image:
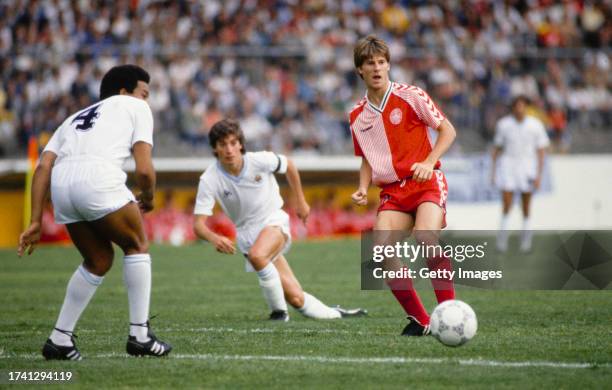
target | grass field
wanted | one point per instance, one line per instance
(214, 315)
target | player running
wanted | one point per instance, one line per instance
(245, 186)
(389, 127)
(82, 166)
(520, 143)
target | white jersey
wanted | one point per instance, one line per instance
(249, 198)
(106, 130)
(520, 142)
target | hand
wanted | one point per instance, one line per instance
(536, 183)
(28, 239)
(360, 197)
(145, 202)
(303, 211)
(422, 171)
(224, 245)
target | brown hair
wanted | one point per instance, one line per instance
(368, 47)
(225, 128)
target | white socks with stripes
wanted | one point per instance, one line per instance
(137, 277)
(272, 288)
(81, 288)
(316, 309)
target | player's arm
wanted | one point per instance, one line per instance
(538, 180)
(145, 174)
(494, 155)
(422, 171)
(40, 188)
(222, 244)
(360, 197)
(293, 178)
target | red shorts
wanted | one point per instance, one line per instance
(406, 195)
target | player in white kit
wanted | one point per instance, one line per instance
(245, 186)
(82, 167)
(520, 146)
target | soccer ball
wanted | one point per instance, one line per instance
(453, 323)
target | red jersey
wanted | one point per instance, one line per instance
(394, 136)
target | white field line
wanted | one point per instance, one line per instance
(202, 330)
(349, 360)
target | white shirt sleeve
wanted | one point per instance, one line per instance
(270, 162)
(205, 199)
(143, 122)
(542, 140)
(498, 140)
(54, 143)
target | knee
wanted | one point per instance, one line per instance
(98, 266)
(427, 237)
(136, 246)
(295, 300)
(258, 259)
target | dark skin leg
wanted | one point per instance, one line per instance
(94, 239)
(507, 201)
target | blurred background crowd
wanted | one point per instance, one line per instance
(285, 68)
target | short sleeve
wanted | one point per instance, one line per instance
(498, 140)
(205, 200)
(356, 147)
(270, 162)
(542, 140)
(143, 123)
(424, 107)
(54, 143)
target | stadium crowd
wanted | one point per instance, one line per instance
(285, 68)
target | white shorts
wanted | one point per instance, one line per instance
(87, 189)
(247, 236)
(514, 178)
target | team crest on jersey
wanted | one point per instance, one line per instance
(257, 178)
(226, 193)
(395, 116)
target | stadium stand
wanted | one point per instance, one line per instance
(285, 67)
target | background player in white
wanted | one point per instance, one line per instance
(520, 146)
(245, 186)
(82, 165)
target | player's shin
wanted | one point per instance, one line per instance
(270, 282)
(406, 295)
(137, 277)
(443, 286)
(80, 290)
(314, 308)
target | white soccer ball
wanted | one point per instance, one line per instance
(453, 323)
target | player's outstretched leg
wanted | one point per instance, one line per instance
(305, 303)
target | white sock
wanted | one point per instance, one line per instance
(526, 224)
(137, 277)
(81, 288)
(314, 308)
(270, 283)
(505, 220)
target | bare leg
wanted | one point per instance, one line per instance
(269, 244)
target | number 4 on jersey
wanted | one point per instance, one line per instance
(88, 117)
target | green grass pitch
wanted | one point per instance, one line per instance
(215, 317)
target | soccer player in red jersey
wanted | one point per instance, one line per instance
(389, 128)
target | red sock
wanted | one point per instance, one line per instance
(443, 287)
(407, 296)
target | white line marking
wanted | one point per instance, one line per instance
(349, 360)
(202, 330)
